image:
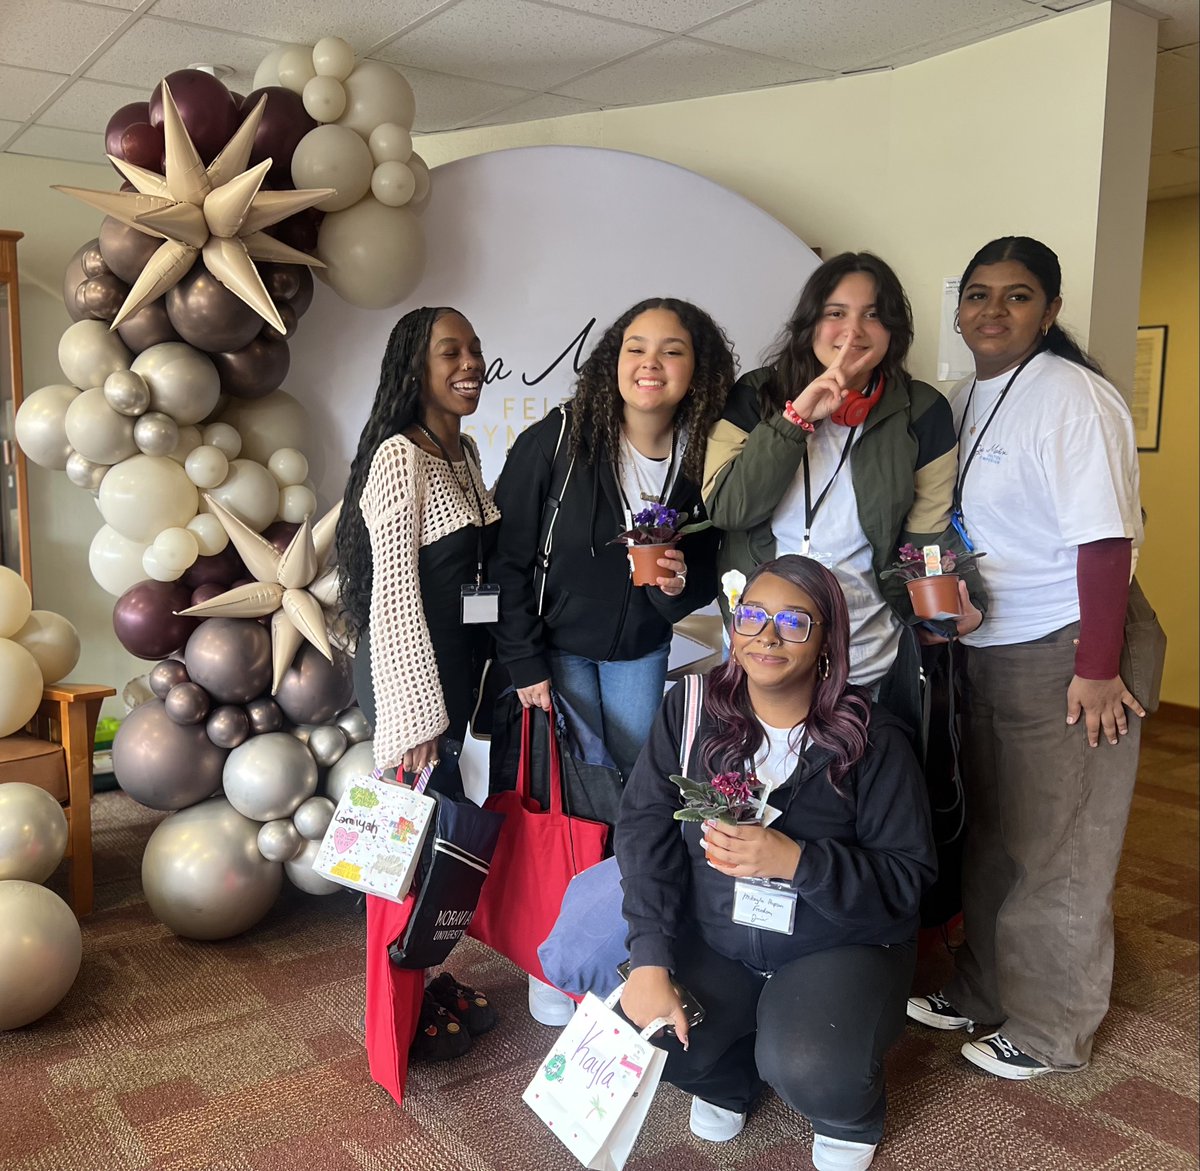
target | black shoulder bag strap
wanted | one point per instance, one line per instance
(561, 467)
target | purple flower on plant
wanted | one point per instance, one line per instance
(734, 786)
(657, 524)
(728, 797)
(910, 563)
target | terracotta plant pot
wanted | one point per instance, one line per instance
(646, 569)
(935, 597)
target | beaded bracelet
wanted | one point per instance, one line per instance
(789, 413)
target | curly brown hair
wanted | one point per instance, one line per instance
(599, 408)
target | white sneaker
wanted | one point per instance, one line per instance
(839, 1154)
(715, 1123)
(547, 1005)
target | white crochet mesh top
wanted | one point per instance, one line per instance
(410, 500)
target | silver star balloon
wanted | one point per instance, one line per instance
(293, 586)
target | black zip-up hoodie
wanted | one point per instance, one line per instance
(591, 607)
(867, 855)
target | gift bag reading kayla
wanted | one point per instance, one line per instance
(595, 1086)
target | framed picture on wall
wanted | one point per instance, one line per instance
(1148, 371)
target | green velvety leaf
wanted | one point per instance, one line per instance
(691, 815)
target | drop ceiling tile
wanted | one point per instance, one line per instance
(1172, 170)
(88, 105)
(543, 106)
(7, 130)
(1176, 81)
(1182, 26)
(516, 43)
(449, 103)
(153, 48)
(364, 23)
(1187, 52)
(955, 40)
(672, 15)
(1176, 129)
(51, 143)
(843, 35)
(23, 90)
(54, 34)
(127, 5)
(680, 69)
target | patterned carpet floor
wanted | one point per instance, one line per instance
(247, 1055)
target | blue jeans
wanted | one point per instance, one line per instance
(618, 699)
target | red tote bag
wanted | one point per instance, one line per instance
(538, 853)
(393, 996)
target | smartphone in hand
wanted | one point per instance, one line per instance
(691, 1008)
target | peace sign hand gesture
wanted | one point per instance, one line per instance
(825, 393)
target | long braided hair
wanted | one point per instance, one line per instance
(599, 408)
(396, 406)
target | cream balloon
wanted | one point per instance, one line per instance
(267, 73)
(390, 143)
(52, 641)
(375, 255)
(41, 428)
(41, 949)
(224, 437)
(115, 561)
(85, 473)
(295, 68)
(206, 466)
(266, 424)
(250, 492)
(210, 534)
(88, 353)
(376, 93)
(296, 503)
(127, 392)
(333, 57)
(98, 432)
(324, 99)
(152, 567)
(189, 440)
(393, 184)
(156, 433)
(333, 156)
(183, 382)
(177, 549)
(420, 170)
(145, 494)
(16, 602)
(20, 686)
(288, 466)
(33, 832)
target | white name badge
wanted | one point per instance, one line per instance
(759, 902)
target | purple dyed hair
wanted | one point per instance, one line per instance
(840, 711)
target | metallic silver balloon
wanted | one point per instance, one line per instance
(228, 726)
(203, 875)
(165, 675)
(355, 724)
(127, 392)
(313, 690)
(156, 433)
(279, 840)
(268, 776)
(40, 951)
(301, 731)
(265, 715)
(230, 658)
(357, 761)
(312, 818)
(300, 871)
(187, 703)
(327, 742)
(85, 473)
(33, 833)
(164, 764)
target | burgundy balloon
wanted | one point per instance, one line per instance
(208, 316)
(205, 593)
(166, 675)
(221, 569)
(145, 621)
(299, 230)
(303, 299)
(103, 295)
(206, 107)
(279, 533)
(284, 122)
(147, 327)
(121, 121)
(142, 145)
(254, 370)
(125, 249)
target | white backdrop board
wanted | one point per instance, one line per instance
(542, 248)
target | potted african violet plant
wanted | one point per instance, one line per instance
(655, 529)
(729, 797)
(931, 578)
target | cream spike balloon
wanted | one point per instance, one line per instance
(260, 246)
(298, 565)
(186, 174)
(163, 271)
(305, 614)
(325, 588)
(252, 600)
(184, 222)
(285, 642)
(259, 555)
(325, 533)
(147, 182)
(235, 154)
(226, 208)
(272, 206)
(229, 262)
(125, 206)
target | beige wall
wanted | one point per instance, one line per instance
(1170, 476)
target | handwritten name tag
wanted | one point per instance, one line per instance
(770, 906)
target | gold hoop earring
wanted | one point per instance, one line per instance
(824, 666)
(1046, 330)
(957, 326)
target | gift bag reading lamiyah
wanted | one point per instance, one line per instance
(595, 1086)
(538, 854)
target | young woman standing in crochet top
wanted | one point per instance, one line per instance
(415, 527)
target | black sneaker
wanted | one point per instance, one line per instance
(440, 1035)
(996, 1054)
(937, 1012)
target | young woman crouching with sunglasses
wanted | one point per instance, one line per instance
(794, 928)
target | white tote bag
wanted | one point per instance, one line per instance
(595, 1086)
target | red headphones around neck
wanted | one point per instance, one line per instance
(858, 404)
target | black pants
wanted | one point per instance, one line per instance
(816, 1032)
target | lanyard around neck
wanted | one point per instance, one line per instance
(811, 508)
(474, 492)
(666, 488)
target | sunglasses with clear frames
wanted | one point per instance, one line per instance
(791, 625)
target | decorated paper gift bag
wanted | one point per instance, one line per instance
(595, 1086)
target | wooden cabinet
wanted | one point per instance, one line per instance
(14, 493)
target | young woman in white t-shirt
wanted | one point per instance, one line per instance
(1048, 489)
